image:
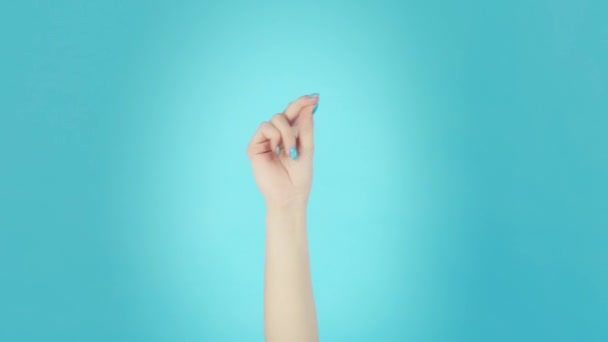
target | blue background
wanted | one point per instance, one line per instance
(461, 178)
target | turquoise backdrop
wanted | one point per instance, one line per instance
(461, 180)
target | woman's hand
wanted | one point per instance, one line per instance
(281, 153)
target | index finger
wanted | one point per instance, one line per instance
(294, 108)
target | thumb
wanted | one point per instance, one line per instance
(305, 129)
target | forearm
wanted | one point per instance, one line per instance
(289, 309)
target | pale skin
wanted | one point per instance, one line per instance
(281, 155)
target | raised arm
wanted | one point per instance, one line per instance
(281, 154)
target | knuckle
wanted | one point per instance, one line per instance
(277, 118)
(296, 102)
(267, 128)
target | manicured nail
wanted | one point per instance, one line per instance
(317, 105)
(293, 153)
(277, 150)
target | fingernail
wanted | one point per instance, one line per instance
(293, 153)
(277, 150)
(317, 105)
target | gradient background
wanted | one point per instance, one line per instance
(461, 181)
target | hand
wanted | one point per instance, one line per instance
(281, 153)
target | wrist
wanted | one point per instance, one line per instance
(293, 207)
(286, 217)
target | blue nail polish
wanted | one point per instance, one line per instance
(317, 105)
(293, 153)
